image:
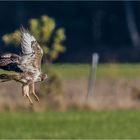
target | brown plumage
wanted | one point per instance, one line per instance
(27, 67)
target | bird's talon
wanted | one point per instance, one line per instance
(31, 103)
(36, 98)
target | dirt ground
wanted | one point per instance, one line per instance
(107, 94)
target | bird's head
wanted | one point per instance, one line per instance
(43, 76)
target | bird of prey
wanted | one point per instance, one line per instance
(26, 67)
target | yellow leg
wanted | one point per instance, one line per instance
(25, 92)
(30, 100)
(32, 90)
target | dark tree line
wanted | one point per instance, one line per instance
(109, 28)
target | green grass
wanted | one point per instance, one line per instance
(104, 124)
(70, 71)
(103, 70)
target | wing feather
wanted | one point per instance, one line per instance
(32, 52)
(10, 62)
(26, 42)
(38, 55)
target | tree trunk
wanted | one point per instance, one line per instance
(134, 34)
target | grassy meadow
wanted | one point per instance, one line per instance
(72, 124)
(72, 71)
(103, 70)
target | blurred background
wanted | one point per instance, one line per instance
(103, 27)
(87, 96)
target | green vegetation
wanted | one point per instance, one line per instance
(71, 71)
(117, 124)
(97, 124)
(46, 33)
(103, 70)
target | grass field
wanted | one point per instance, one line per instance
(104, 124)
(103, 70)
(117, 124)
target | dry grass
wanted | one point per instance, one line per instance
(116, 87)
(108, 94)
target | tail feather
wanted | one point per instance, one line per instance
(6, 77)
(4, 80)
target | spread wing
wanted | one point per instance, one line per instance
(26, 42)
(9, 62)
(32, 52)
(38, 55)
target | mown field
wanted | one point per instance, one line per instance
(103, 70)
(72, 124)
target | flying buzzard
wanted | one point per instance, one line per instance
(27, 67)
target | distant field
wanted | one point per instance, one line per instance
(103, 124)
(103, 70)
